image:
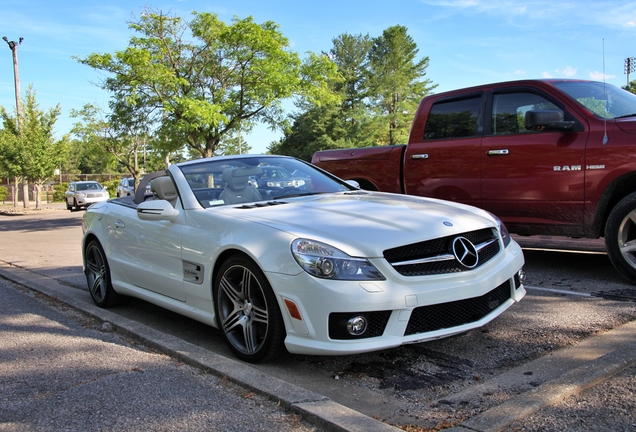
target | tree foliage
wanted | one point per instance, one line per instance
(396, 82)
(120, 133)
(381, 84)
(28, 147)
(197, 82)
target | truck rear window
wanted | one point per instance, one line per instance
(453, 119)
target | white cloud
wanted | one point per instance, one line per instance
(518, 72)
(596, 75)
(630, 24)
(569, 71)
(546, 75)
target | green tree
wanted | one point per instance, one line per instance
(31, 151)
(201, 90)
(396, 81)
(9, 159)
(335, 125)
(118, 133)
(89, 158)
(381, 84)
(350, 53)
(317, 128)
(631, 87)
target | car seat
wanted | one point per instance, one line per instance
(238, 188)
(164, 188)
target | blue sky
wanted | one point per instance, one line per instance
(468, 42)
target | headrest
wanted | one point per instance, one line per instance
(164, 188)
(237, 178)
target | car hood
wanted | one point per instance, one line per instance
(367, 223)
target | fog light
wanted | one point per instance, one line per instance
(520, 278)
(522, 275)
(357, 325)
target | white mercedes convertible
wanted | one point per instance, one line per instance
(307, 263)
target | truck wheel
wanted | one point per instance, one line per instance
(620, 237)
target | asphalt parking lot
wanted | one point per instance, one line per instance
(525, 370)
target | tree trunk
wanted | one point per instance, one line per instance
(38, 196)
(15, 191)
(25, 192)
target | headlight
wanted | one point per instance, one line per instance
(324, 261)
(505, 235)
(81, 195)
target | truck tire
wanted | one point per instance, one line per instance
(620, 237)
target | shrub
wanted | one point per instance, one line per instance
(58, 192)
(111, 187)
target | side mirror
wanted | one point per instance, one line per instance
(353, 183)
(547, 120)
(156, 210)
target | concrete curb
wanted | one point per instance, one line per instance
(313, 407)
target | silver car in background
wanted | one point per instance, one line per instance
(126, 187)
(84, 193)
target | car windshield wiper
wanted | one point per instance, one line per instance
(296, 195)
(626, 115)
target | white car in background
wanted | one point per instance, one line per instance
(329, 269)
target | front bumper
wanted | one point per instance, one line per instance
(402, 309)
(86, 201)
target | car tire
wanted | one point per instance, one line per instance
(68, 207)
(98, 276)
(620, 237)
(247, 311)
(75, 206)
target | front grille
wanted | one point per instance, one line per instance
(436, 256)
(338, 324)
(452, 314)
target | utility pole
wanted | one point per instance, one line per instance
(13, 46)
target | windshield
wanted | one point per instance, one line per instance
(88, 186)
(242, 180)
(604, 100)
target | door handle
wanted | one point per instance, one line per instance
(419, 156)
(498, 152)
(120, 224)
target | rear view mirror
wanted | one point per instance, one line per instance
(353, 183)
(547, 120)
(156, 210)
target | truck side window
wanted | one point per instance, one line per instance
(453, 119)
(509, 110)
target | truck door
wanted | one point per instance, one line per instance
(443, 162)
(531, 177)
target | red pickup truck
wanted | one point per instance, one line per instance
(554, 157)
